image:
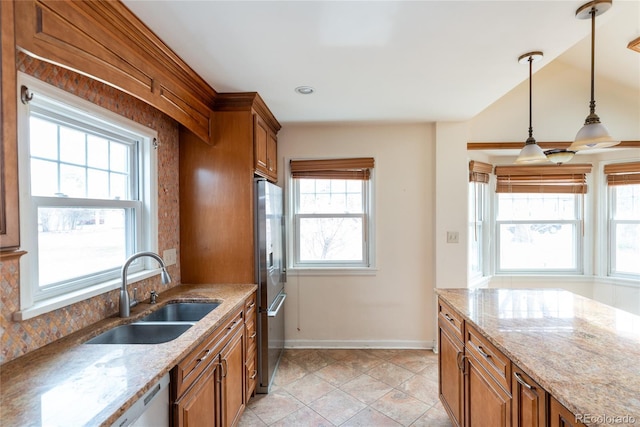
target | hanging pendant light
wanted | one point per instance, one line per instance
(531, 152)
(593, 134)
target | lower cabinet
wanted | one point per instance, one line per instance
(209, 386)
(486, 403)
(529, 401)
(449, 367)
(560, 416)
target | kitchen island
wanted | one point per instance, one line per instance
(584, 355)
(69, 383)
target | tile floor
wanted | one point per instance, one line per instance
(372, 388)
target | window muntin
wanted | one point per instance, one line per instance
(476, 203)
(539, 233)
(331, 222)
(624, 231)
(90, 176)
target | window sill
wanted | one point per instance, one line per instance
(45, 306)
(618, 281)
(332, 271)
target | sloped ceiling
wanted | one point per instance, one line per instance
(386, 61)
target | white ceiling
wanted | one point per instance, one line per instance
(386, 61)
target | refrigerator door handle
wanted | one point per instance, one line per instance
(274, 313)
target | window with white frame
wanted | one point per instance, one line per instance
(88, 178)
(539, 219)
(623, 182)
(478, 189)
(331, 212)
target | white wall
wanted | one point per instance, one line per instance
(392, 307)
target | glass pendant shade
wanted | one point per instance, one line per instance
(559, 156)
(531, 153)
(593, 135)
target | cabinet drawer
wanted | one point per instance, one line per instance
(250, 307)
(186, 372)
(252, 373)
(252, 334)
(489, 357)
(451, 320)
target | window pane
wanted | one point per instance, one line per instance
(75, 242)
(97, 152)
(72, 146)
(627, 202)
(119, 157)
(73, 181)
(537, 246)
(119, 187)
(98, 187)
(332, 239)
(627, 248)
(43, 137)
(336, 196)
(44, 178)
(536, 206)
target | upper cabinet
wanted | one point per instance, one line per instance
(106, 41)
(9, 222)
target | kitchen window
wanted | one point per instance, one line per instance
(623, 182)
(539, 219)
(332, 213)
(88, 178)
(479, 174)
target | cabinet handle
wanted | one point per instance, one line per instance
(225, 368)
(458, 360)
(232, 325)
(481, 351)
(255, 372)
(253, 304)
(206, 354)
(522, 381)
(449, 318)
(253, 335)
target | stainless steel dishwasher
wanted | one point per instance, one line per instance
(151, 410)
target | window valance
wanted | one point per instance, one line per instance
(543, 179)
(479, 172)
(623, 173)
(354, 168)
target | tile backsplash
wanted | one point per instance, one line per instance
(19, 338)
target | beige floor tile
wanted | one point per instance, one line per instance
(366, 389)
(369, 417)
(250, 419)
(400, 407)
(312, 361)
(336, 353)
(421, 388)
(338, 373)
(305, 417)
(309, 388)
(274, 406)
(337, 406)
(415, 361)
(430, 371)
(436, 416)
(389, 373)
(288, 372)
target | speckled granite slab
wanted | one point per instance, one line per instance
(68, 383)
(584, 353)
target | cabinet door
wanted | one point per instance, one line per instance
(198, 406)
(233, 379)
(451, 379)
(260, 138)
(529, 404)
(272, 156)
(561, 416)
(487, 404)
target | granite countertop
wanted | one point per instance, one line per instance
(584, 353)
(67, 383)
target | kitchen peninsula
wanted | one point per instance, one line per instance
(537, 357)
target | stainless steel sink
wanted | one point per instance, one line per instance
(142, 333)
(181, 312)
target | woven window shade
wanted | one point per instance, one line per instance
(542, 179)
(479, 172)
(623, 173)
(356, 168)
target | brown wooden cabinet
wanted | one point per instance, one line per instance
(209, 386)
(486, 402)
(9, 215)
(529, 400)
(251, 334)
(265, 149)
(450, 357)
(217, 193)
(559, 416)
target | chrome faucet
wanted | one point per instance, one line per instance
(124, 295)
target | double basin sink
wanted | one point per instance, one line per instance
(163, 325)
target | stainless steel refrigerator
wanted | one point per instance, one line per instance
(270, 277)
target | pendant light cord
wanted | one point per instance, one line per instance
(592, 104)
(530, 95)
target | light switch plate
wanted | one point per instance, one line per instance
(169, 256)
(453, 237)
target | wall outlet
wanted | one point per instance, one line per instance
(453, 237)
(169, 256)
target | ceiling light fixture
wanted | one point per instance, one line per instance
(531, 152)
(593, 134)
(305, 90)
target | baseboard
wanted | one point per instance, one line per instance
(362, 344)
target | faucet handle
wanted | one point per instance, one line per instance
(153, 298)
(134, 300)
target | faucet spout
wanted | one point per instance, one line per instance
(125, 306)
